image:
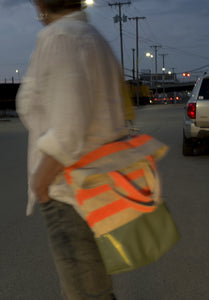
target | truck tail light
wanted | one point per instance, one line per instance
(191, 110)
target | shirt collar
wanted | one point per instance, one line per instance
(77, 15)
(74, 16)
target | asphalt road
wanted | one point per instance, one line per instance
(26, 268)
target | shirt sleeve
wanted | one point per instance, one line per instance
(67, 98)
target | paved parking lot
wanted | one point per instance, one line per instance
(27, 271)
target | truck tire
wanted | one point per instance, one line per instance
(188, 146)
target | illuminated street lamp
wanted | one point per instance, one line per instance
(89, 2)
(150, 55)
(163, 70)
(18, 74)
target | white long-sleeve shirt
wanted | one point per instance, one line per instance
(70, 99)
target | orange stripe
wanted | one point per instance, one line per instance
(140, 140)
(108, 149)
(67, 175)
(83, 195)
(151, 160)
(106, 211)
(113, 208)
(134, 174)
(146, 191)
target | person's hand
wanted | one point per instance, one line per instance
(44, 176)
(40, 188)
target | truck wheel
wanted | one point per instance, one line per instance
(188, 146)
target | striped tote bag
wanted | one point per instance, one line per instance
(117, 188)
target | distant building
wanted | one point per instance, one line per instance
(8, 92)
(149, 77)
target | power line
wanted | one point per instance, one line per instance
(116, 38)
(197, 69)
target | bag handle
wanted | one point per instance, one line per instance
(133, 193)
(146, 206)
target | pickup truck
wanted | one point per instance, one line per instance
(196, 118)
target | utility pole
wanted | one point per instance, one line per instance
(163, 69)
(174, 75)
(119, 18)
(137, 42)
(174, 78)
(133, 63)
(155, 47)
(137, 53)
(163, 56)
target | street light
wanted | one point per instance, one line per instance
(150, 55)
(163, 70)
(18, 74)
(89, 2)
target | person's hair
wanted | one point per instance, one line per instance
(60, 5)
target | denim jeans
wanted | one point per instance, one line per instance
(77, 259)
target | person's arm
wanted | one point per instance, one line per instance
(69, 111)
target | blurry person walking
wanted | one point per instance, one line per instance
(71, 103)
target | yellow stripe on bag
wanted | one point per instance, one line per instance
(117, 245)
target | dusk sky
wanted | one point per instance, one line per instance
(179, 26)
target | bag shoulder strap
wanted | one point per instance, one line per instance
(106, 150)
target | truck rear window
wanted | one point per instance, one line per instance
(204, 90)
